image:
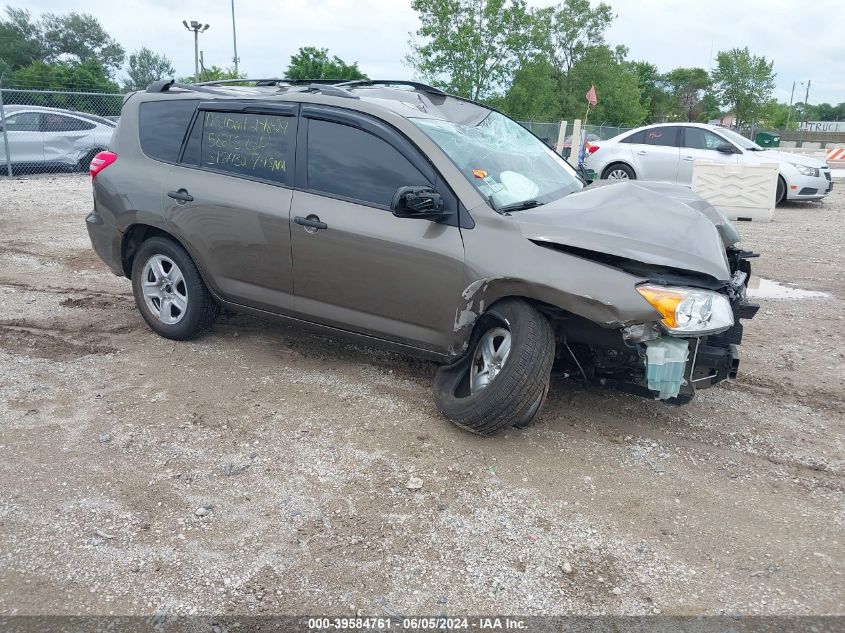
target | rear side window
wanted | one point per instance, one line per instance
(667, 136)
(162, 127)
(350, 163)
(60, 123)
(636, 137)
(251, 145)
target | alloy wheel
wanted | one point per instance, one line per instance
(165, 292)
(489, 358)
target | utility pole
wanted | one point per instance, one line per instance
(791, 97)
(806, 98)
(235, 39)
(197, 28)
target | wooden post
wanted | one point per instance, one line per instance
(561, 137)
(576, 140)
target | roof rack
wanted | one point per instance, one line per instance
(392, 82)
(328, 87)
(269, 81)
(164, 85)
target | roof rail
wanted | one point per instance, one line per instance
(270, 81)
(164, 85)
(392, 82)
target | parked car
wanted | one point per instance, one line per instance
(667, 152)
(53, 138)
(397, 215)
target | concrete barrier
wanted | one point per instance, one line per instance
(742, 192)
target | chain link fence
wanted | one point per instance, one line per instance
(550, 133)
(48, 131)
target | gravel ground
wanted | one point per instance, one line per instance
(261, 470)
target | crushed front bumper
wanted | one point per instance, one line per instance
(715, 358)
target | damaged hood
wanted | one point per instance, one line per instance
(652, 223)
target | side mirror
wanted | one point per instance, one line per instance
(726, 148)
(423, 203)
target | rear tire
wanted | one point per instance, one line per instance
(169, 291)
(618, 171)
(84, 163)
(780, 194)
(516, 392)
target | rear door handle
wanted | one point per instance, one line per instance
(311, 222)
(689, 157)
(182, 196)
(642, 152)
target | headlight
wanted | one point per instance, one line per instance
(807, 171)
(688, 310)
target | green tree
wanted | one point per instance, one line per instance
(566, 32)
(80, 37)
(85, 76)
(534, 93)
(709, 107)
(653, 91)
(212, 73)
(744, 83)
(470, 47)
(145, 67)
(688, 86)
(20, 41)
(775, 115)
(310, 62)
(617, 88)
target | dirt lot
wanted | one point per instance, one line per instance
(263, 470)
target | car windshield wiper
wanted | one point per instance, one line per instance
(520, 206)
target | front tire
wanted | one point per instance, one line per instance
(504, 379)
(780, 194)
(169, 291)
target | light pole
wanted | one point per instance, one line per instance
(801, 131)
(197, 28)
(234, 40)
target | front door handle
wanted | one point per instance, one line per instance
(182, 196)
(689, 157)
(311, 223)
(642, 152)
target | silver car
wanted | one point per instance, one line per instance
(51, 137)
(668, 151)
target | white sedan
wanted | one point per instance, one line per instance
(667, 152)
(51, 137)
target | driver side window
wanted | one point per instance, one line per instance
(349, 163)
(698, 138)
(23, 122)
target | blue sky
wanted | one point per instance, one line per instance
(805, 40)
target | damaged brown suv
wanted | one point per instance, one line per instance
(398, 215)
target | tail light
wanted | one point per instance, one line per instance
(591, 148)
(100, 162)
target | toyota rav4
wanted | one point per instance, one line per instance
(398, 215)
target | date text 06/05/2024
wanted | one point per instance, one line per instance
(416, 624)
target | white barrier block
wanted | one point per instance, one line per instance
(742, 192)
